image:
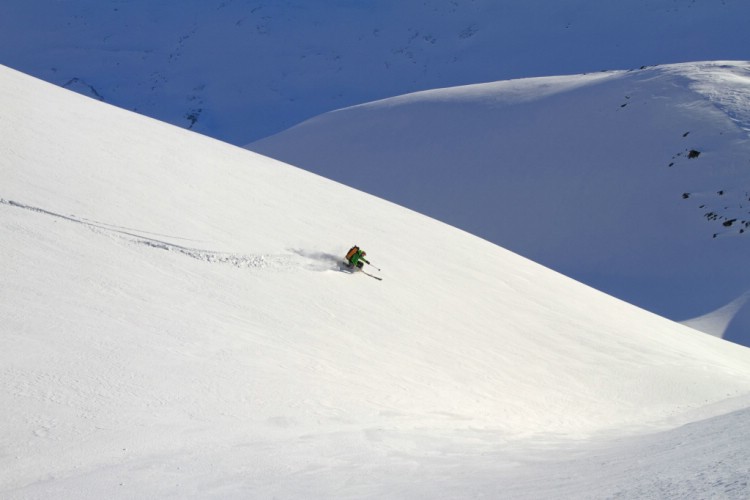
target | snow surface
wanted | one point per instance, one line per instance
(589, 174)
(717, 322)
(240, 70)
(176, 324)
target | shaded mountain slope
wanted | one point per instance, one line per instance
(635, 182)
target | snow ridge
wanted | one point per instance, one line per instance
(727, 85)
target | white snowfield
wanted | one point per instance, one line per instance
(175, 323)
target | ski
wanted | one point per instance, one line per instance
(372, 276)
(353, 270)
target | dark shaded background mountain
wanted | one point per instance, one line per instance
(239, 70)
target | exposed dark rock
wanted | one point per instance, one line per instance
(82, 87)
(193, 116)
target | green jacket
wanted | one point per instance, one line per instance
(357, 256)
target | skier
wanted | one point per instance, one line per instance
(355, 257)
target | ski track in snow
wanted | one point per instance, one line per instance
(311, 260)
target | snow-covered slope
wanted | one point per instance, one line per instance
(240, 70)
(591, 175)
(174, 323)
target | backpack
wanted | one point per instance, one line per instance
(351, 252)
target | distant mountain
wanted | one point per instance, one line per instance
(175, 322)
(634, 182)
(239, 70)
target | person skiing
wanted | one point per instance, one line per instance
(355, 257)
